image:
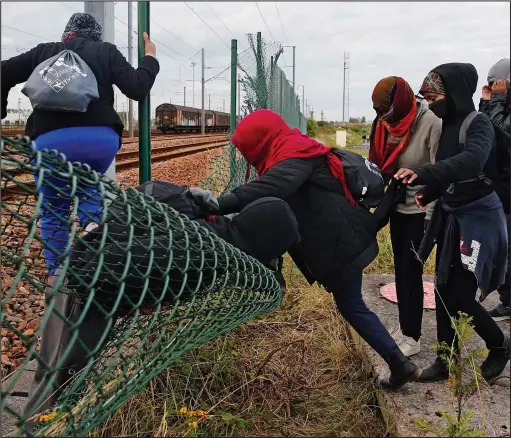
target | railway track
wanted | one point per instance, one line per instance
(125, 134)
(124, 160)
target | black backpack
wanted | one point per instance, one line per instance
(171, 263)
(363, 178)
(503, 157)
(176, 197)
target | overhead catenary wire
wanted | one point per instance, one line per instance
(209, 27)
(174, 35)
(266, 24)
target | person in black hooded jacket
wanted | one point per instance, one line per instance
(495, 103)
(468, 223)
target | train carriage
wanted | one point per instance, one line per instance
(177, 118)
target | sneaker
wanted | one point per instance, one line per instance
(496, 361)
(408, 346)
(500, 313)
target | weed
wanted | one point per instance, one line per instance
(464, 381)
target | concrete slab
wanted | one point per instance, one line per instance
(419, 400)
(17, 404)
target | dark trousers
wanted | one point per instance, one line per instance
(406, 233)
(348, 297)
(459, 295)
(505, 290)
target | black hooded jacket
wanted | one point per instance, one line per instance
(454, 162)
(109, 67)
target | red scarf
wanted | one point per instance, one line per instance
(382, 152)
(264, 140)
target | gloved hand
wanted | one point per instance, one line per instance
(205, 200)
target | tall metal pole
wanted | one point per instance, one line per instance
(234, 66)
(303, 99)
(203, 125)
(209, 102)
(144, 106)
(193, 84)
(103, 12)
(130, 60)
(294, 67)
(223, 105)
(239, 98)
(184, 97)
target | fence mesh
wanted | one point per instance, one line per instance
(128, 297)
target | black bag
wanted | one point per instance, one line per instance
(363, 178)
(63, 82)
(501, 183)
(176, 197)
(168, 264)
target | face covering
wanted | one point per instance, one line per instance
(439, 108)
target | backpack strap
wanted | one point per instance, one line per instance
(465, 125)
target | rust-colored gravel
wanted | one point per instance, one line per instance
(26, 307)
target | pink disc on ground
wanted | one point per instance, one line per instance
(389, 292)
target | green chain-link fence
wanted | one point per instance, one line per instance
(131, 295)
(265, 86)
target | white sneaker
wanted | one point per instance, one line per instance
(408, 346)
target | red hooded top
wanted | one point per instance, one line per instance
(264, 139)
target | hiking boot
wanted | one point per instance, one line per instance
(500, 313)
(436, 372)
(408, 346)
(402, 371)
(496, 360)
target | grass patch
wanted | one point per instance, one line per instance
(354, 133)
(291, 373)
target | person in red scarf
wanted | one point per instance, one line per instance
(405, 133)
(338, 237)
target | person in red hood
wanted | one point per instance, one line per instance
(338, 236)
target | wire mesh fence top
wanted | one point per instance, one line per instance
(128, 296)
(265, 84)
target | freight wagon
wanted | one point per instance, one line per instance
(177, 118)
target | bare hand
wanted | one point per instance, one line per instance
(486, 93)
(418, 200)
(499, 87)
(150, 48)
(407, 176)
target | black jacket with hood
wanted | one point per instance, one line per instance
(337, 239)
(110, 68)
(498, 110)
(455, 163)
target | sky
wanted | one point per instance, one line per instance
(382, 39)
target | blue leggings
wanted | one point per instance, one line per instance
(92, 145)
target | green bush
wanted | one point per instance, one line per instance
(312, 127)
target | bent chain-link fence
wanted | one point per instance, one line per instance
(130, 296)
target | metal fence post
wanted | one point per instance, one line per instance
(234, 77)
(144, 106)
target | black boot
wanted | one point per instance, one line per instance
(437, 372)
(402, 371)
(496, 360)
(275, 266)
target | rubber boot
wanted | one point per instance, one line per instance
(496, 361)
(402, 371)
(437, 372)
